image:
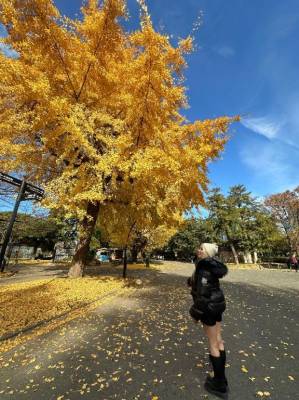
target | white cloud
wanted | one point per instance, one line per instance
(263, 126)
(274, 162)
(272, 165)
(225, 51)
(283, 24)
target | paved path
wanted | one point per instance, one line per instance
(31, 272)
(145, 347)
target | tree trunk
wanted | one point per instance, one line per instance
(289, 240)
(54, 254)
(147, 261)
(35, 249)
(125, 264)
(86, 231)
(255, 257)
(134, 253)
(234, 253)
(248, 257)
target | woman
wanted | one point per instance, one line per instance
(208, 306)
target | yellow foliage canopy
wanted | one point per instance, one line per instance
(93, 113)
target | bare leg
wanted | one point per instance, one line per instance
(211, 333)
(219, 337)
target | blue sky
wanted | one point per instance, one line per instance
(246, 63)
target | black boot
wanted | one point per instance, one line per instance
(223, 357)
(217, 385)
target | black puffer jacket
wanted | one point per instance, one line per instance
(208, 297)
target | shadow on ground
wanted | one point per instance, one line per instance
(145, 345)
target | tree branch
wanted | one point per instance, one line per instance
(56, 46)
(91, 63)
(145, 102)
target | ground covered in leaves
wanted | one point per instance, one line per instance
(25, 304)
(6, 274)
(143, 345)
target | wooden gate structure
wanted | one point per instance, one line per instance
(27, 191)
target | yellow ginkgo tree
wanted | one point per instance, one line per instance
(91, 112)
(135, 223)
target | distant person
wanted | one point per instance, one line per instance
(293, 262)
(208, 307)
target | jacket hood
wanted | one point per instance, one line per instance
(214, 266)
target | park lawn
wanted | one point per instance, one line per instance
(28, 303)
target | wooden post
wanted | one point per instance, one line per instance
(11, 223)
(125, 264)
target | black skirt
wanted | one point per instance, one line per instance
(210, 320)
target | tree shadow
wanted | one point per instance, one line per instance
(146, 345)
